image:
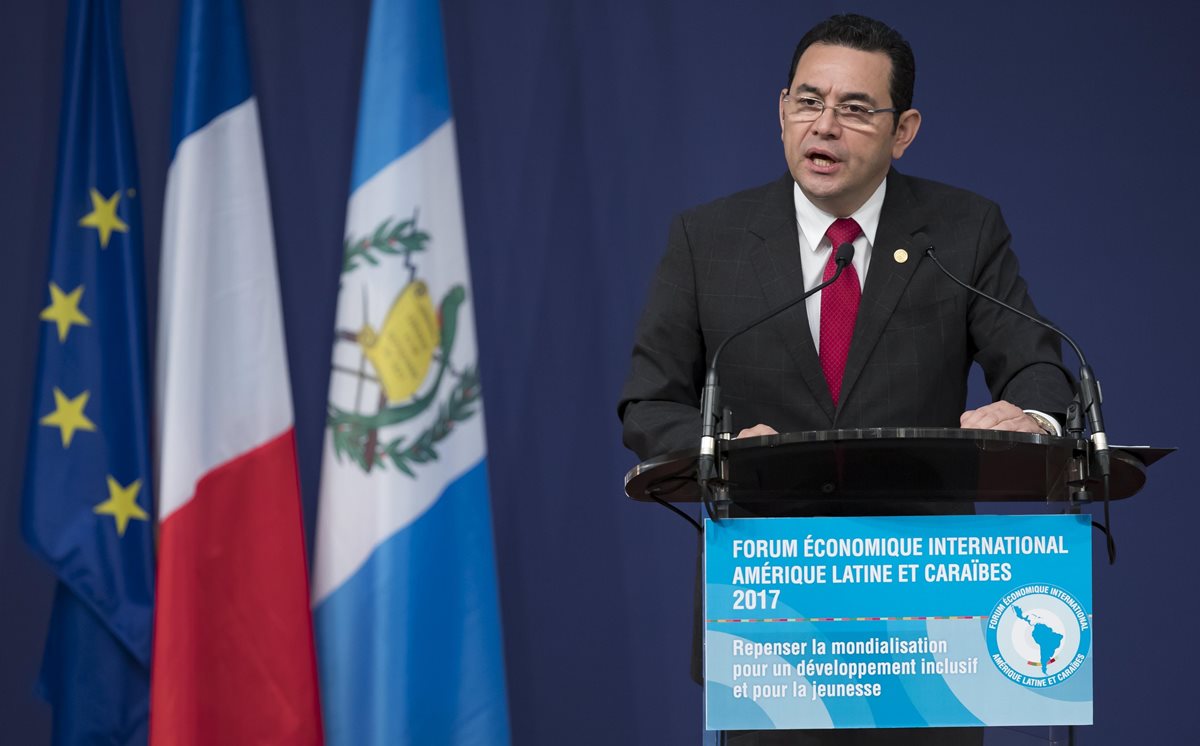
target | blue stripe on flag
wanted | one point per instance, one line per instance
(405, 92)
(212, 71)
(410, 645)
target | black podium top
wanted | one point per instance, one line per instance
(900, 464)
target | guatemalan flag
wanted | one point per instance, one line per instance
(233, 653)
(404, 590)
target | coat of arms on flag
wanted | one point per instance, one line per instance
(405, 357)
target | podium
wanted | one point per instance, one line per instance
(1019, 635)
(888, 464)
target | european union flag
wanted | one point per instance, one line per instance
(87, 499)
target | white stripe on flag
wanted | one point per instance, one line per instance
(358, 510)
(222, 375)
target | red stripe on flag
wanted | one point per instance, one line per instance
(233, 653)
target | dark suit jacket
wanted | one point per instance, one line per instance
(915, 338)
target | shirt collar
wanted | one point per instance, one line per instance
(814, 221)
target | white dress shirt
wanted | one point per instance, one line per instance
(815, 249)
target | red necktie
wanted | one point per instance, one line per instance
(839, 308)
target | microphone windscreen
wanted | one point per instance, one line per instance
(844, 255)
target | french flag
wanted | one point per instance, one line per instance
(233, 654)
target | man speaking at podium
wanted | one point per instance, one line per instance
(887, 345)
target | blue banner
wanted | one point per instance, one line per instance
(898, 622)
(86, 504)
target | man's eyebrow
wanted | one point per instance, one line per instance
(866, 98)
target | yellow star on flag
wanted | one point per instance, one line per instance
(122, 504)
(103, 217)
(64, 310)
(68, 415)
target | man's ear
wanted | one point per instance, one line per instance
(781, 114)
(906, 132)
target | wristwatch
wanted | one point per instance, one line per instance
(1049, 425)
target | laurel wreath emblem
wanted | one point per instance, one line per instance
(356, 436)
(402, 239)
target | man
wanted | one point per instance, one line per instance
(889, 344)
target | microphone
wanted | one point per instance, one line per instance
(1089, 387)
(706, 464)
(843, 258)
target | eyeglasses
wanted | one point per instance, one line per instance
(809, 109)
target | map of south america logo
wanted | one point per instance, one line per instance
(1039, 635)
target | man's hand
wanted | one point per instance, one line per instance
(759, 429)
(1000, 416)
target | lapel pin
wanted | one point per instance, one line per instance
(901, 256)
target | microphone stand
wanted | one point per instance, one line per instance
(706, 464)
(1088, 396)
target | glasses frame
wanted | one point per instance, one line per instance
(839, 110)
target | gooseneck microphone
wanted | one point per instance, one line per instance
(1089, 387)
(706, 464)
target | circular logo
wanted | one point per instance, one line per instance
(1038, 635)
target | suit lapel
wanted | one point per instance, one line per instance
(887, 278)
(775, 257)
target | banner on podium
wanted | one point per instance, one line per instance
(898, 622)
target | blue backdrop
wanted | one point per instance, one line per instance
(582, 128)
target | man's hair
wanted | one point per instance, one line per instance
(868, 35)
